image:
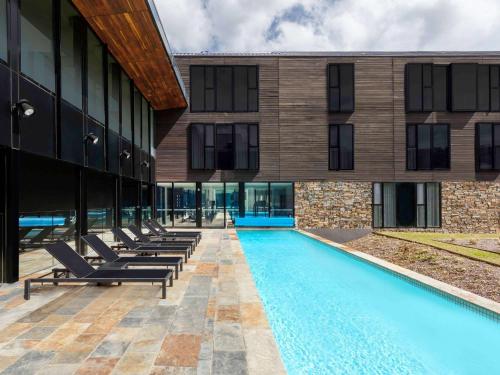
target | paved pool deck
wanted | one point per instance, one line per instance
(212, 322)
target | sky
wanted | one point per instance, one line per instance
(330, 25)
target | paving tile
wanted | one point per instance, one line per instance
(262, 354)
(228, 337)
(7, 360)
(111, 349)
(230, 313)
(199, 286)
(37, 333)
(130, 322)
(253, 315)
(229, 363)
(97, 366)
(190, 315)
(14, 330)
(207, 269)
(29, 363)
(63, 369)
(179, 350)
(135, 363)
(168, 370)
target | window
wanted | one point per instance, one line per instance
(427, 146)
(402, 204)
(71, 54)
(225, 146)
(341, 87)
(114, 72)
(202, 146)
(37, 52)
(341, 149)
(3, 30)
(224, 88)
(152, 132)
(137, 117)
(126, 107)
(95, 78)
(487, 146)
(426, 87)
(495, 88)
(145, 125)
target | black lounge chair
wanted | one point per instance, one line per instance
(141, 248)
(163, 231)
(141, 237)
(155, 232)
(84, 272)
(109, 256)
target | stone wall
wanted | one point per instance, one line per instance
(466, 206)
(333, 204)
(470, 206)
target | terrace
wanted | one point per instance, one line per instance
(211, 322)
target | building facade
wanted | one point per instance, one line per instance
(79, 84)
(345, 140)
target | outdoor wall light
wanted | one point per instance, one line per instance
(24, 108)
(91, 138)
(125, 154)
(145, 164)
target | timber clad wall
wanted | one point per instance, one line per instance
(293, 123)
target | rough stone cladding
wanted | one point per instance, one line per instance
(468, 206)
(333, 204)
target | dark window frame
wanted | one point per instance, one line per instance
(432, 168)
(329, 87)
(382, 204)
(214, 88)
(339, 146)
(214, 147)
(495, 127)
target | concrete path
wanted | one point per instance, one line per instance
(212, 322)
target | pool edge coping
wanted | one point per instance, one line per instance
(477, 301)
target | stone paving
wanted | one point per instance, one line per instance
(212, 322)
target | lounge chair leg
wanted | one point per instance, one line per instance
(182, 266)
(185, 257)
(164, 289)
(27, 289)
(171, 281)
(176, 271)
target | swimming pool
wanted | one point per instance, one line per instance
(333, 314)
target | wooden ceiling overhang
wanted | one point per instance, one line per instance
(134, 35)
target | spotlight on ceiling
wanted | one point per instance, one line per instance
(145, 164)
(23, 108)
(125, 154)
(91, 138)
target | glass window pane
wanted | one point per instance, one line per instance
(212, 204)
(37, 52)
(334, 142)
(424, 147)
(137, 117)
(145, 125)
(3, 30)
(241, 146)
(377, 217)
(377, 193)
(433, 205)
(197, 147)
(346, 146)
(282, 199)
(496, 144)
(126, 108)
(95, 79)
(71, 54)
(440, 146)
(256, 199)
(232, 200)
(184, 204)
(114, 72)
(485, 146)
(224, 147)
(389, 205)
(152, 132)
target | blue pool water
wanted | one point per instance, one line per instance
(333, 314)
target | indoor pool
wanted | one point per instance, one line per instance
(334, 314)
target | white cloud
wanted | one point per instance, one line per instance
(330, 25)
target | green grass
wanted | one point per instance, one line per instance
(433, 239)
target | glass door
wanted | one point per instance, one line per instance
(184, 204)
(212, 205)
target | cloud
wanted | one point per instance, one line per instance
(330, 25)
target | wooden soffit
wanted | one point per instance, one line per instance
(134, 35)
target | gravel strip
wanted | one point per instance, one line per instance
(475, 276)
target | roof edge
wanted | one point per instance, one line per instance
(342, 54)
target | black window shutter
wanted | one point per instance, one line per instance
(440, 146)
(241, 146)
(209, 146)
(240, 88)
(197, 86)
(485, 146)
(411, 147)
(424, 146)
(224, 89)
(346, 78)
(197, 146)
(495, 88)
(483, 88)
(414, 87)
(333, 88)
(253, 89)
(346, 147)
(427, 99)
(464, 87)
(253, 147)
(496, 146)
(209, 89)
(440, 88)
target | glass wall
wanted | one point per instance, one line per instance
(145, 126)
(256, 199)
(164, 203)
(37, 51)
(126, 108)
(95, 79)
(232, 201)
(114, 72)
(184, 204)
(37, 229)
(71, 54)
(100, 221)
(137, 117)
(212, 204)
(281, 199)
(3, 30)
